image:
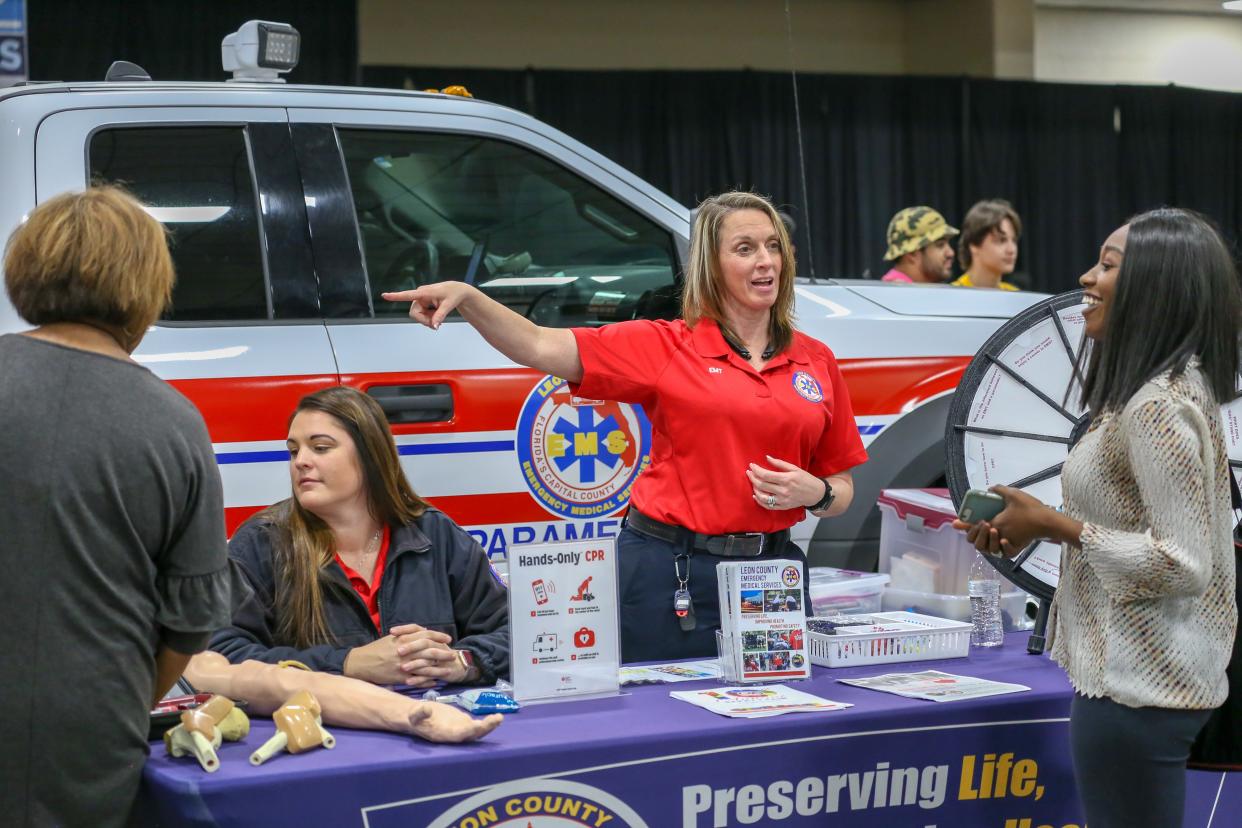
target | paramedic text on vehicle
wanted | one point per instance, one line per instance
(751, 421)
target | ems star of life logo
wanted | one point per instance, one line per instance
(807, 387)
(540, 803)
(789, 576)
(580, 458)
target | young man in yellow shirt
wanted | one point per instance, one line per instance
(988, 246)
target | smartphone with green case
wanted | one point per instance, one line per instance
(980, 505)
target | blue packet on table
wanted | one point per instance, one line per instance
(483, 701)
(479, 700)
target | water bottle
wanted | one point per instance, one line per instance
(985, 613)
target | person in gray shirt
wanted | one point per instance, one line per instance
(113, 546)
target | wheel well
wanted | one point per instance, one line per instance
(909, 453)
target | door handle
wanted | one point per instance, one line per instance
(414, 403)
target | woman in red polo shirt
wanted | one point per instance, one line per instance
(751, 421)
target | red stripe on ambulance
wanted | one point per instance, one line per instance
(478, 510)
(245, 409)
(467, 510)
(894, 386)
(495, 396)
(235, 516)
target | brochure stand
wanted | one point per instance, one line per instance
(762, 636)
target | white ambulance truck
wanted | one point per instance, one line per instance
(291, 208)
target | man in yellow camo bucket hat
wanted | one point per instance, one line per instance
(919, 247)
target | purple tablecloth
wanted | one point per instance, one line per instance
(643, 758)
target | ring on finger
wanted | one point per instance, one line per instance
(771, 501)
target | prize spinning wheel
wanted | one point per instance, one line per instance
(1012, 422)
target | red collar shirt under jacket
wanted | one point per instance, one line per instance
(712, 414)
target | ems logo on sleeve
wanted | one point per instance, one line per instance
(807, 387)
(540, 803)
(580, 458)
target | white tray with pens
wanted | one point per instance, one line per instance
(885, 638)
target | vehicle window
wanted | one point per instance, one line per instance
(528, 232)
(197, 181)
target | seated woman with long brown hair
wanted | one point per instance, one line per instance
(358, 575)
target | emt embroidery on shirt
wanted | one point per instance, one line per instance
(807, 387)
(714, 370)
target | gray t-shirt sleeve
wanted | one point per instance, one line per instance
(193, 579)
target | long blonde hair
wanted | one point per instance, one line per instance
(303, 547)
(704, 293)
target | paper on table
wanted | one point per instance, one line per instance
(936, 686)
(671, 672)
(755, 702)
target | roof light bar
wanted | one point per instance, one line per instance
(260, 51)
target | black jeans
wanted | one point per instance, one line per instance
(1130, 762)
(650, 630)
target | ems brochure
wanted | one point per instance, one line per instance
(673, 671)
(762, 621)
(563, 627)
(936, 686)
(757, 702)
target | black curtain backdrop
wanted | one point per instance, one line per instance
(1076, 160)
(179, 40)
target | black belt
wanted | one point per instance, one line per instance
(738, 545)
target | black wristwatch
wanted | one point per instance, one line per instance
(826, 500)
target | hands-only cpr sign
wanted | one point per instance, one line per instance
(563, 623)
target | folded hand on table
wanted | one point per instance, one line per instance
(426, 656)
(410, 654)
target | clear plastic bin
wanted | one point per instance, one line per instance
(919, 548)
(845, 590)
(956, 607)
